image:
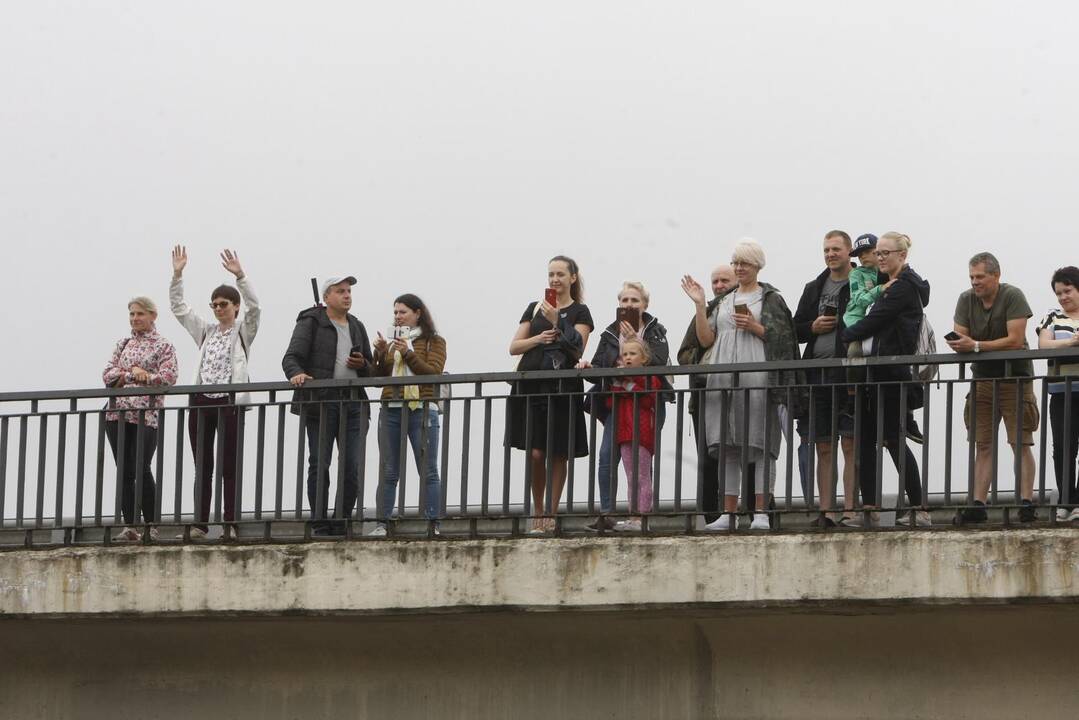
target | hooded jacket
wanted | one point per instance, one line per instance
(622, 393)
(894, 322)
(313, 350)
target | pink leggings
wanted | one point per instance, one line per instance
(643, 481)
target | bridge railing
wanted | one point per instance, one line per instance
(63, 481)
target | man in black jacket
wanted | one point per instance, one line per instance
(329, 343)
(819, 324)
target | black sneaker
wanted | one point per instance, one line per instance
(822, 521)
(600, 523)
(914, 433)
(1027, 512)
(973, 515)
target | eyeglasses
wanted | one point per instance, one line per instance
(221, 305)
(883, 254)
(741, 263)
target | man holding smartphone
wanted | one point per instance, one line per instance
(819, 324)
(330, 343)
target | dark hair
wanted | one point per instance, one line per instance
(838, 233)
(413, 302)
(227, 292)
(576, 290)
(1067, 275)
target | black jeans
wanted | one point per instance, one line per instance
(709, 466)
(320, 449)
(895, 440)
(1064, 463)
(202, 430)
(149, 445)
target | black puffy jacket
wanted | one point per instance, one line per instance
(313, 350)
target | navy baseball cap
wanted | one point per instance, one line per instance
(863, 243)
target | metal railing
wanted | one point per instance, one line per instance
(60, 483)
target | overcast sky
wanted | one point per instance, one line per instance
(449, 149)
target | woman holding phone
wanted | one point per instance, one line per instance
(416, 349)
(552, 335)
(632, 321)
(751, 324)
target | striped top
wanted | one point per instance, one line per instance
(1063, 328)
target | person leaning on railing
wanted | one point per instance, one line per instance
(1060, 329)
(550, 337)
(416, 349)
(142, 359)
(633, 295)
(224, 346)
(751, 325)
(893, 323)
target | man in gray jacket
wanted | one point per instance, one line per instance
(330, 343)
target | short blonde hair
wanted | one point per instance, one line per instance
(144, 302)
(749, 251)
(645, 350)
(634, 285)
(902, 242)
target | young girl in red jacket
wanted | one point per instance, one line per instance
(635, 354)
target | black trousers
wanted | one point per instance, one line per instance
(130, 468)
(895, 439)
(1064, 462)
(709, 466)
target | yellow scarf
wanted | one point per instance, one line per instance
(411, 393)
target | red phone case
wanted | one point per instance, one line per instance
(551, 296)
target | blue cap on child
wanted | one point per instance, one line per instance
(863, 243)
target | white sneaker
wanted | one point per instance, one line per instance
(720, 524)
(127, 535)
(627, 526)
(760, 522)
(195, 534)
(923, 519)
(379, 531)
(1063, 514)
(1073, 515)
(228, 533)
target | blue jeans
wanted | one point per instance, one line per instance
(603, 470)
(389, 420)
(357, 416)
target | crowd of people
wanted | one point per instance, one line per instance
(867, 301)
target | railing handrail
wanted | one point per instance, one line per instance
(515, 376)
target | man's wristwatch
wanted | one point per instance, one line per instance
(977, 346)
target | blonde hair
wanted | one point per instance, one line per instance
(749, 251)
(634, 285)
(902, 242)
(645, 350)
(144, 302)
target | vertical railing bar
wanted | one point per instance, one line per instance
(592, 452)
(238, 471)
(901, 449)
(178, 473)
(121, 453)
(20, 488)
(159, 454)
(548, 456)
(279, 477)
(301, 474)
(572, 451)
(402, 458)
(444, 449)
(140, 461)
(506, 447)
(793, 441)
(42, 449)
(198, 416)
(949, 411)
(466, 445)
(679, 428)
(1019, 450)
(61, 462)
(99, 470)
(260, 459)
(80, 470)
(488, 404)
(1043, 437)
(633, 481)
(219, 462)
(995, 447)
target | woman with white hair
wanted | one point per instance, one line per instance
(142, 359)
(751, 324)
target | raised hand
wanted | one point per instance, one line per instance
(693, 289)
(380, 343)
(179, 260)
(230, 260)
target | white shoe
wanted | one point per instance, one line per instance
(760, 522)
(628, 526)
(1073, 515)
(923, 519)
(379, 531)
(195, 534)
(1063, 514)
(127, 535)
(228, 533)
(155, 535)
(720, 524)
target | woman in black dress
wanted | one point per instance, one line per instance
(551, 336)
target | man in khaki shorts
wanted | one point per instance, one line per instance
(993, 316)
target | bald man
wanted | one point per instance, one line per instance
(722, 280)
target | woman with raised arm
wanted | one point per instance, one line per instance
(552, 335)
(416, 349)
(751, 324)
(142, 359)
(224, 346)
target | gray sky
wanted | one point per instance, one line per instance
(449, 149)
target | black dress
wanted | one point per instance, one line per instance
(562, 407)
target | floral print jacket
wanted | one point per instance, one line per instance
(154, 354)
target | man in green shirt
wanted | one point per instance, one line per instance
(993, 316)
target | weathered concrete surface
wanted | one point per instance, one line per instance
(954, 663)
(378, 577)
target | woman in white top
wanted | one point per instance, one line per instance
(223, 348)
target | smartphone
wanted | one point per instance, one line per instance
(741, 309)
(829, 311)
(629, 315)
(400, 332)
(357, 350)
(551, 296)
(953, 336)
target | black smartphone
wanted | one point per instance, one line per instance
(357, 350)
(829, 311)
(952, 336)
(741, 309)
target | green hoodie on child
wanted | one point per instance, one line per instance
(864, 291)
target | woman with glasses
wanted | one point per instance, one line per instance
(223, 360)
(751, 324)
(893, 324)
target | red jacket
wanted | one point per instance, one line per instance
(646, 406)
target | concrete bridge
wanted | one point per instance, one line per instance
(883, 624)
